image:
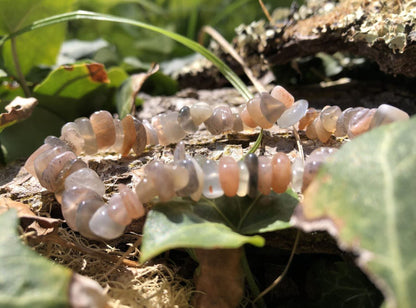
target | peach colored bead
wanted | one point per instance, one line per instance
(145, 190)
(311, 131)
(29, 164)
(322, 134)
(360, 122)
(103, 126)
(282, 172)
(229, 172)
(386, 114)
(131, 202)
(329, 116)
(247, 119)
(117, 210)
(50, 174)
(281, 94)
(253, 107)
(129, 134)
(140, 137)
(265, 175)
(310, 115)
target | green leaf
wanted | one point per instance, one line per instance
(367, 191)
(27, 279)
(73, 81)
(217, 223)
(177, 225)
(37, 47)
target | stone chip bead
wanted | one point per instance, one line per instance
(118, 144)
(252, 164)
(161, 179)
(293, 114)
(140, 140)
(386, 114)
(247, 119)
(329, 117)
(200, 112)
(282, 95)
(86, 131)
(360, 122)
(229, 174)
(42, 161)
(243, 183)
(72, 135)
(271, 108)
(212, 186)
(185, 120)
(87, 178)
(145, 190)
(103, 126)
(167, 127)
(220, 121)
(49, 177)
(265, 175)
(281, 172)
(101, 225)
(131, 202)
(254, 109)
(313, 163)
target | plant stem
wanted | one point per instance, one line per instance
(247, 212)
(20, 76)
(219, 212)
(257, 143)
(251, 281)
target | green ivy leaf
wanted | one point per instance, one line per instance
(27, 279)
(218, 223)
(36, 47)
(367, 191)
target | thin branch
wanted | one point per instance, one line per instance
(265, 11)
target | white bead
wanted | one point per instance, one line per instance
(292, 115)
(103, 226)
(85, 178)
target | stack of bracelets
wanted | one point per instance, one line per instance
(80, 190)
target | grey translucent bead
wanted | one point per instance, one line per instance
(297, 174)
(344, 120)
(185, 120)
(237, 123)
(167, 127)
(252, 163)
(57, 142)
(71, 134)
(162, 180)
(86, 209)
(29, 164)
(386, 114)
(293, 114)
(151, 133)
(85, 178)
(212, 186)
(102, 226)
(270, 107)
(243, 185)
(145, 190)
(50, 174)
(220, 121)
(200, 178)
(200, 112)
(43, 160)
(118, 144)
(85, 128)
(329, 117)
(192, 184)
(179, 153)
(71, 198)
(69, 168)
(141, 138)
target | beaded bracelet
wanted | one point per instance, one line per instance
(80, 191)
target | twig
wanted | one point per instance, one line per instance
(266, 12)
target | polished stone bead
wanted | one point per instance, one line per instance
(313, 163)
(29, 164)
(200, 112)
(57, 142)
(71, 198)
(220, 121)
(247, 119)
(145, 190)
(185, 120)
(69, 168)
(386, 114)
(254, 109)
(70, 133)
(86, 209)
(212, 186)
(297, 174)
(179, 174)
(179, 153)
(282, 95)
(344, 120)
(87, 178)
(252, 164)
(281, 172)
(322, 134)
(229, 174)
(360, 122)
(192, 185)
(162, 180)
(103, 226)
(86, 131)
(237, 123)
(151, 133)
(129, 134)
(103, 127)
(271, 108)
(118, 144)
(131, 202)
(42, 161)
(265, 175)
(167, 127)
(311, 131)
(50, 174)
(293, 114)
(200, 178)
(329, 117)
(117, 210)
(141, 139)
(310, 115)
(243, 184)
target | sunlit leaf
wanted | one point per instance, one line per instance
(37, 47)
(27, 279)
(367, 192)
(18, 110)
